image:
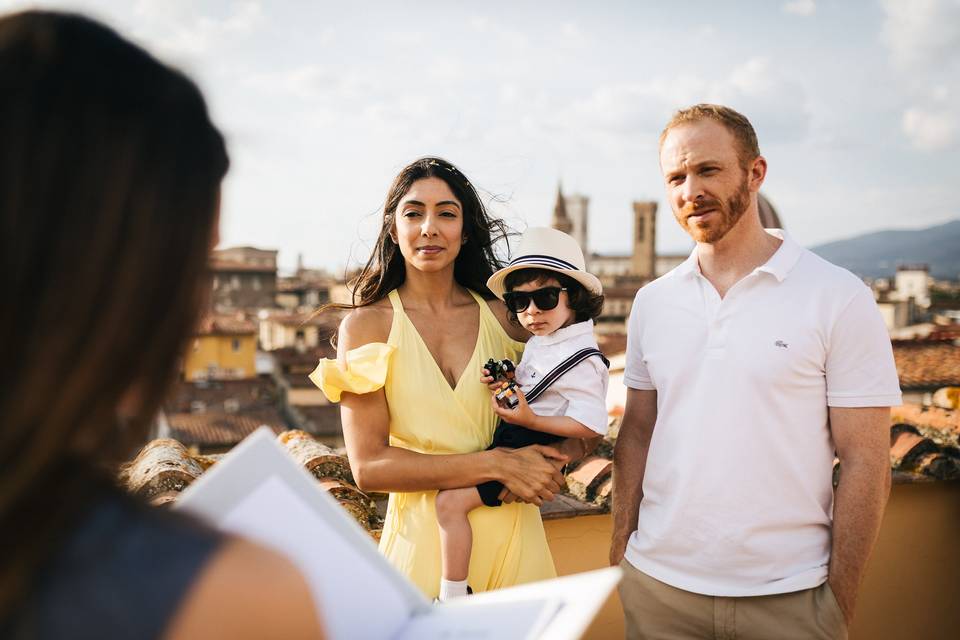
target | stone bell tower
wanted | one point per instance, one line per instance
(644, 239)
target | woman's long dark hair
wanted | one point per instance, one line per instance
(109, 184)
(477, 260)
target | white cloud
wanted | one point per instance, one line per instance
(923, 38)
(800, 7)
(922, 32)
(178, 29)
(572, 34)
(775, 104)
(931, 130)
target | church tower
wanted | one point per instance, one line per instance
(644, 239)
(570, 216)
(561, 222)
(577, 212)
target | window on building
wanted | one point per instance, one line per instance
(256, 283)
(641, 229)
(235, 282)
(235, 345)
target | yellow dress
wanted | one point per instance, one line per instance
(428, 416)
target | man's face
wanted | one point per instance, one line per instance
(708, 189)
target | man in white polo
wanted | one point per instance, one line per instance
(748, 368)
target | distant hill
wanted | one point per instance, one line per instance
(876, 255)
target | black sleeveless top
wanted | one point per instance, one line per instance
(122, 573)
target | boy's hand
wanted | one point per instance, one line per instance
(521, 415)
(487, 379)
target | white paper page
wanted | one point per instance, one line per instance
(496, 621)
(350, 591)
(580, 596)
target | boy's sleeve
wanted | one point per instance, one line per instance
(585, 389)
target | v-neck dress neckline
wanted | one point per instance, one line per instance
(400, 313)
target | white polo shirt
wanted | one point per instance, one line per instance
(737, 492)
(581, 392)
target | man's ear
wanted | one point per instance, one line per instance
(757, 173)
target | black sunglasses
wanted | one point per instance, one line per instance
(546, 298)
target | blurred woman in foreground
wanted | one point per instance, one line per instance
(110, 174)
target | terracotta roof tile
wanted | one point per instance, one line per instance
(219, 265)
(941, 425)
(225, 325)
(215, 429)
(165, 467)
(584, 481)
(927, 365)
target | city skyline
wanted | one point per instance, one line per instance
(854, 105)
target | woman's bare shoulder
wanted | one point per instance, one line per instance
(364, 325)
(247, 591)
(512, 329)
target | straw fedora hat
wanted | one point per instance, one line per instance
(546, 248)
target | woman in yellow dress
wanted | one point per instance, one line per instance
(415, 409)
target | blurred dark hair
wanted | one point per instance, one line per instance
(109, 185)
(386, 270)
(585, 305)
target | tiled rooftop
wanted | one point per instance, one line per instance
(163, 468)
(225, 325)
(247, 396)
(219, 414)
(219, 265)
(927, 364)
(213, 429)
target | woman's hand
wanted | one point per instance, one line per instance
(531, 473)
(521, 415)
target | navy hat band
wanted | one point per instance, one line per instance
(546, 261)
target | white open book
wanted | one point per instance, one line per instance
(260, 492)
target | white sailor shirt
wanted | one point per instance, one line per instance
(581, 392)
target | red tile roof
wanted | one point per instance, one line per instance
(224, 325)
(234, 266)
(927, 365)
(254, 396)
(163, 468)
(215, 429)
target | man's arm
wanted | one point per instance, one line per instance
(629, 464)
(862, 438)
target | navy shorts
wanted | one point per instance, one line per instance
(510, 436)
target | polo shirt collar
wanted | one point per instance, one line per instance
(779, 264)
(566, 333)
(785, 258)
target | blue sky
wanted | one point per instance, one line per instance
(854, 102)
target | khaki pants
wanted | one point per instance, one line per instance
(657, 611)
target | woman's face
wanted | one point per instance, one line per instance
(428, 225)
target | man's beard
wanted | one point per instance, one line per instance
(726, 215)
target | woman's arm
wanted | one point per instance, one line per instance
(377, 466)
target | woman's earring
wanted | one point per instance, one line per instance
(463, 241)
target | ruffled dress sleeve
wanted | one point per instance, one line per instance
(365, 371)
